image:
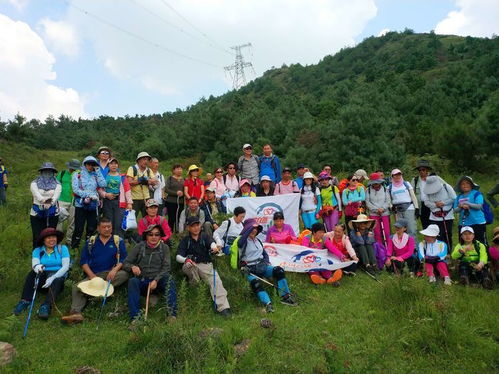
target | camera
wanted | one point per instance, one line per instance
(143, 180)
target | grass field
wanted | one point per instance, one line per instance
(400, 326)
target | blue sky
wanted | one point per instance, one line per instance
(59, 60)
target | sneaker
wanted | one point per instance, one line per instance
(72, 318)
(269, 308)
(432, 279)
(21, 307)
(226, 313)
(44, 311)
(335, 278)
(288, 300)
(370, 270)
(447, 281)
(349, 273)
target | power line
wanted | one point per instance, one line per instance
(138, 37)
(239, 77)
(219, 46)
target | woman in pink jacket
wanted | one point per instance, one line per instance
(341, 243)
(317, 240)
(400, 247)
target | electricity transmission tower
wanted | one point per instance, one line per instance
(236, 70)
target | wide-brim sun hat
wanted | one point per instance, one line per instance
(142, 155)
(431, 230)
(362, 218)
(375, 178)
(104, 148)
(423, 164)
(49, 231)
(467, 178)
(192, 168)
(90, 160)
(308, 175)
(73, 164)
(48, 166)
(433, 185)
(246, 146)
(324, 175)
(360, 173)
(251, 224)
(96, 287)
(401, 223)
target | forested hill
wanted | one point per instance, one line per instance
(372, 105)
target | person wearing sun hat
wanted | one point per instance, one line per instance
(152, 217)
(472, 257)
(103, 155)
(424, 169)
(245, 189)
(330, 200)
(211, 208)
(311, 201)
(266, 187)
(46, 191)
(141, 179)
(439, 198)
(433, 252)
(193, 185)
(400, 248)
(248, 165)
(362, 239)
(378, 206)
(403, 200)
(50, 263)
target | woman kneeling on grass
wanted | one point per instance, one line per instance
(50, 264)
(472, 256)
(433, 252)
(317, 240)
(400, 248)
(341, 242)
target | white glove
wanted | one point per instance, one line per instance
(39, 268)
(48, 282)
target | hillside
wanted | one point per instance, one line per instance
(368, 106)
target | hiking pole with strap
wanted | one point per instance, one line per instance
(372, 276)
(445, 229)
(147, 300)
(267, 282)
(176, 213)
(215, 307)
(103, 303)
(35, 287)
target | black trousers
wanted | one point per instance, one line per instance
(38, 224)
(140, 207)
(173, 209)
(52, 292)
(83, 217)
(424, 215)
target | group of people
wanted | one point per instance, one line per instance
(94, 196)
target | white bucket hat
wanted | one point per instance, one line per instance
(96, 287)
(431, 230)
(433, 185)
(308, 175)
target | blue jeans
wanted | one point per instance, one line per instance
(263, 296)
(138, 286)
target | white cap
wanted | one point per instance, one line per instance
(246, 146)
(431, 230)
(308, 175)
(265, 178)
(467, 228)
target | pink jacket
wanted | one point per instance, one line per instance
(146, 221)
(346, 245)
(403, 253)
(325, 243)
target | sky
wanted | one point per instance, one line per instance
(87, 58)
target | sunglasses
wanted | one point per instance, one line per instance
(248, 148)
(219, 171)
(153, 234)
(105, 152)
(354, 180)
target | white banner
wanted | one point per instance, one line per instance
(301, 259)
(263, 209)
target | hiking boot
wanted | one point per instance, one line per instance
(335, 278)
(370, 270)
(72, 318)
(269, 308)
(226, 313)
(317, 279)
(288, 300)
(21, 307)
(464, 280)
(432, 279)
(44, 311)
(447, 281)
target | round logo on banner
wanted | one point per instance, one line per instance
(265, 214)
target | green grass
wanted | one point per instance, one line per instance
(400, 326)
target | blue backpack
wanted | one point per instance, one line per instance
(487, 211)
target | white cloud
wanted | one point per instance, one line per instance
(26, 66)
(281, 31)
(18, 4)
(474, 18)
(60, 36)
(384, 32)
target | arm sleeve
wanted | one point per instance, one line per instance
(180, 259)
(75, 184)
(344, 197)
(420, 251)
(443, 252)
(430, 204)
(291, 232)
(166, 229)
(141, 226)
(57, 193)
(35, 258)
(362, 195)
(410, 246)
(123, 253)
(168, 187)
(220, 233)
(483, 254)
(348, 246)
(414, 198)
(477, 202)
(64, 268)
(332, 249)
(84, 255)
(338, 198)
(356, 240)
(182, 247)
(36, 193)
(269, 235)
(101, 182)
(277, 169)
(319, 201)
(451, 195)
(455, 252)
(128, 191)
(202, 217)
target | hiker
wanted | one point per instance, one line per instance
(245, 189)
(362, 239)
(361, 176)
(352, 198)
(249, 165)
(65, 178)
(270, 164)
(381, 173)
(141, 178)
(328, 169)
(342, 244)
(4, 183)
(404, 201)
(418, 183)
(248, 255)
(152, 217)
(266, 187)
(218, 184)
(433, 251)
(231, 180)
(311, 201)
(287, 184)
(280, 232)
(472, 257)
(400, 248)
(194, 252)
(208, 180)
(494, 254)
(193, 185)
(378, 205)
(469, 205)
(490, 195)
(300, 171)
(148, 264)
(439, 197)
(174, 202)
(50, 264)
(103, 156)
(85, 188)
(158, 192)
(46, 190)
(102, 257)
(229, 230)
(331, 202)
(211, 208)
(192, 209)
(117, 197)
(317, 240)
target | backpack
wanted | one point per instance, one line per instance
(406, 185)
(116, 239)
(59, 249)
(272, 162)
(487, 211)
(136, 172)
(234, 253)
(293, 185)
(225, 179)
(240, 162)
(142, 254)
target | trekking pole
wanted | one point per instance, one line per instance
(269, 283)
(176, 213)
(382, 227)
(214, 287)
(372, 276)
(35, 287)
(103, 303)
(445, 229)
(147, 300)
